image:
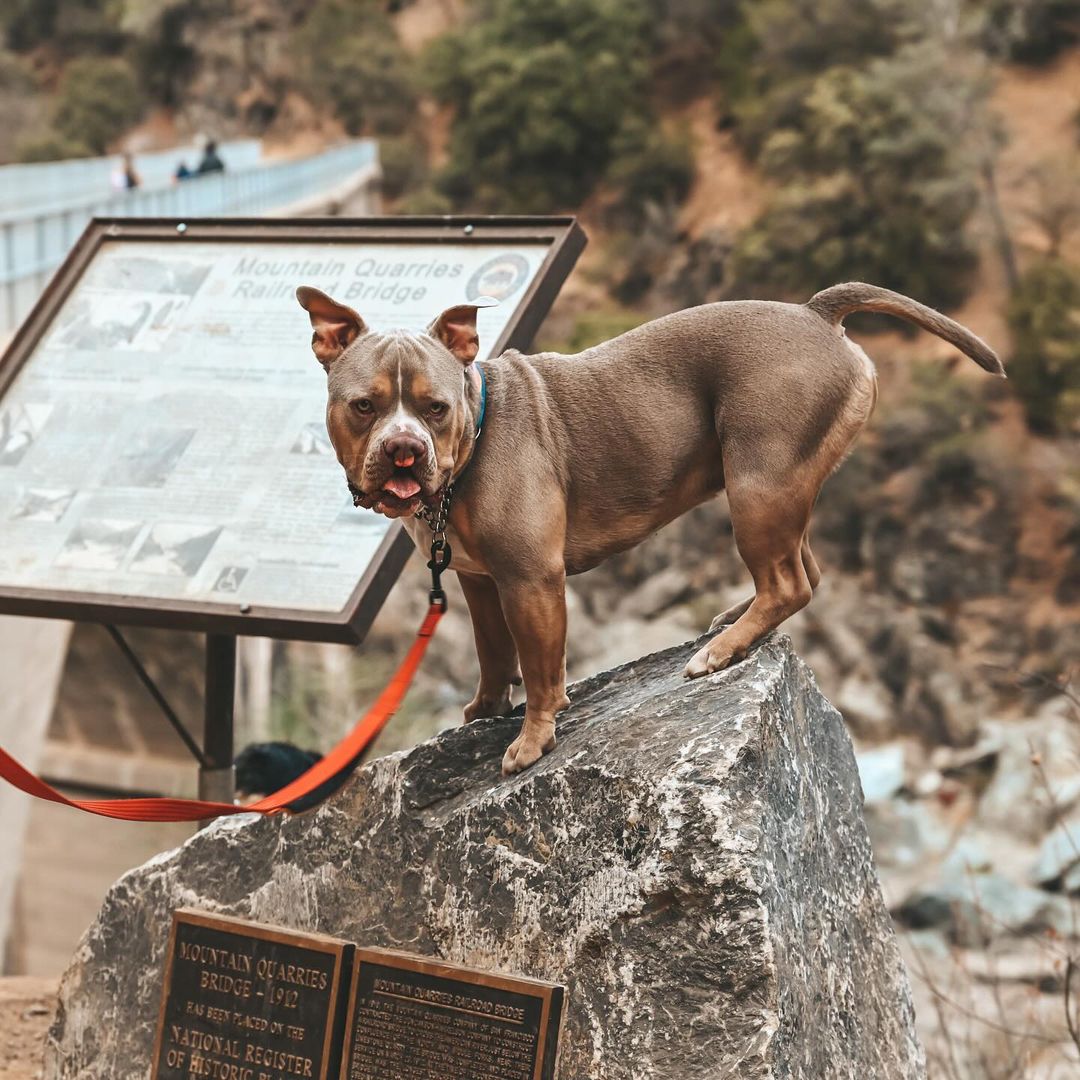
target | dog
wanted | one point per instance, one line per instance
(586, 455)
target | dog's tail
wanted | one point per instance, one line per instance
(834, 303)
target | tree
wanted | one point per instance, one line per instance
(351, 58)
(875, 181)
(1031, 31)
(1053, 201)
(97, 100)
(1044, 316)
(541, 90)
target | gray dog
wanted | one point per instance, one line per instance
(584, 456)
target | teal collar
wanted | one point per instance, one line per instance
(483, 400)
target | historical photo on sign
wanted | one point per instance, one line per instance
(19, 427)
(166, 440)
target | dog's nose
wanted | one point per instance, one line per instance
(404, 450)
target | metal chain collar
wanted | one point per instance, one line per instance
(440, 547)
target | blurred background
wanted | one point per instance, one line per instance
(713, 149)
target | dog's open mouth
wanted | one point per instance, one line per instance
(400, 493)
(402, 486)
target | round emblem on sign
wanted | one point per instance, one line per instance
(499, 277)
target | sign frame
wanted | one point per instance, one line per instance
(564, 239)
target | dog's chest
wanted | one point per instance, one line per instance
(461, 559)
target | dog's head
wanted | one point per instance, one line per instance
(398, 406)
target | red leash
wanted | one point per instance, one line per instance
(339, 761)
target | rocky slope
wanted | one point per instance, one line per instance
(691, 862)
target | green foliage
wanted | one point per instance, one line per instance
(163, 57)
(71, 27)
(686, 40)
(348, 55)
(938, 409)
(20, 104)
(542, 90)
(426, 201)
(648, 168)
(1032, 31)
(957, 469)
(875, 182)
(97, 100)
(771, 62)
(602, 325)
(403, 159)
(49, 145)
(1044, 316)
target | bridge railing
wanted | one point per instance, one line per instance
(34, 243)
(53, 185)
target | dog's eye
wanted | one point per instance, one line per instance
(438, 408)
(363, 405)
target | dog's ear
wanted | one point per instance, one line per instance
(336, 326)
(456, 328)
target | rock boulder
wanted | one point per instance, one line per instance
(691, 862)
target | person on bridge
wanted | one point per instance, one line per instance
(211, 160)
(125, 177)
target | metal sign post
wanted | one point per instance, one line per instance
(216, 772)
(163, 452)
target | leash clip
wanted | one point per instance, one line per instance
(441, 554)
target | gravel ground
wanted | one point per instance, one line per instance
(26, 1010)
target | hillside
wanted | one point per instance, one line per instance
(713, 150)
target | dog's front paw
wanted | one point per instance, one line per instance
(715, 656)
(537, 738)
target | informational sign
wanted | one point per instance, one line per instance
(411, 1018)
(163, 449)
(249, 1001)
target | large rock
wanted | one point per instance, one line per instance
(691, 862)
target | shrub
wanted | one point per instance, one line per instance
(770, 61)
(351, 58)
(68, 27)
(687, 38)
(20, 104)
(648, 167)
(403, 159)
(49, 145)
(97, 100)
(602, 325)
(541, 91)
(1044, 316)
(875, 181)
(426, 202)
(938, 408)
(1032, 32)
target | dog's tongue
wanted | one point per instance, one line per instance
(404, 487)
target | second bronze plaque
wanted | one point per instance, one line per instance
(415, 1019)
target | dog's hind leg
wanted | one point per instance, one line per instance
(770, 525)
(733, 613)
(810, 564)
(495, 648)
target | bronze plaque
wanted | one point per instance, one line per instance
(243, 1001)
(411, 1018)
